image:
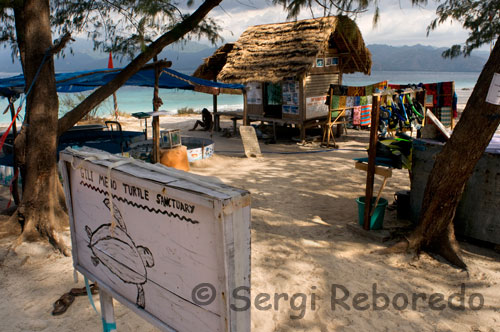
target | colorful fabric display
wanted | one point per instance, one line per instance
(379, 87)
(342, 101)
(446, 88)
(335, 102)
(356, 91)
(356, 115)
(357, 101)
(350, 101)
(351, 91)
(339, 90)
(365, 117)
(369, 90)
(363, 100)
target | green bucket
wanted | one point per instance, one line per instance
(377, 219)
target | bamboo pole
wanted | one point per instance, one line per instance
(156, 119)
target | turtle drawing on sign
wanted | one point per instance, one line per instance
(113, 247)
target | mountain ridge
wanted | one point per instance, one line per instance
(188, 56)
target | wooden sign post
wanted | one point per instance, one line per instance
(372, 153)
(170, 245)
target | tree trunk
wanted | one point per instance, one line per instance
(453, 167)
(40, 210)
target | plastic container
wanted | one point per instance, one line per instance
(402, 199)
(377, 219)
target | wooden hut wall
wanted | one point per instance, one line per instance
(318, 81)
(255, 98)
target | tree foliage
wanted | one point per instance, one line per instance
(123, 27)
(328, 7)
(480, 17)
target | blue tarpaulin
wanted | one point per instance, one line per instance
(89, 80)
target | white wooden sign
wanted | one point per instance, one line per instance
(155, 238)
(250, 142)
(316, 107)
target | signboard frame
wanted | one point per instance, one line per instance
(230, 223)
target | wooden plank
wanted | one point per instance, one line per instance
(379, 170)
(245, 108)
(183, 257)
(250, 142)
(237, 261)
(372, 151)
(442, 129)
(64, 166)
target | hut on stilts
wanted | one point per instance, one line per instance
(287, 68)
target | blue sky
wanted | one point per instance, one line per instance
(400, 23)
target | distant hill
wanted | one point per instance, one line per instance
(421, 58)
(187, 57)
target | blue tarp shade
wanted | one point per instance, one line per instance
(89, 80)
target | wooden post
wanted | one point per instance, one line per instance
(115, 105)
(216, 126)
(107, 311)
(15, 189)
(156, 119)
(372, 151)
(245, 108)
(156, 139)
(302, 107)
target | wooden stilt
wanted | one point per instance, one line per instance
(156, 119)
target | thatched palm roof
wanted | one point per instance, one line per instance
(271, 52)
(212, 65)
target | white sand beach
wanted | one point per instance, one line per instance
(301, 243)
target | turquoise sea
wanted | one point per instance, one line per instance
(139, 99)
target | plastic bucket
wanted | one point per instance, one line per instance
(377, 219)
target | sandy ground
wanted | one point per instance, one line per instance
(302, 205)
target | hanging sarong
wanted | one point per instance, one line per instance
(356, 116)
(366, 115)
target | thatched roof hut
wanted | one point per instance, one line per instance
(271, 52)
(288, 67)
(212, 65)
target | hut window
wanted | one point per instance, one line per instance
(274, 94)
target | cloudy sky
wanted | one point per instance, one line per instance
(400, 23)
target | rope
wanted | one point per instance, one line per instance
(4, 136)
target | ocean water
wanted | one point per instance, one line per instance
(139, 99)
(463, 80)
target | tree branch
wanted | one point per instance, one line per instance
(61, 43)
(94, 99)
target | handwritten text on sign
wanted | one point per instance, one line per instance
(89, 178)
